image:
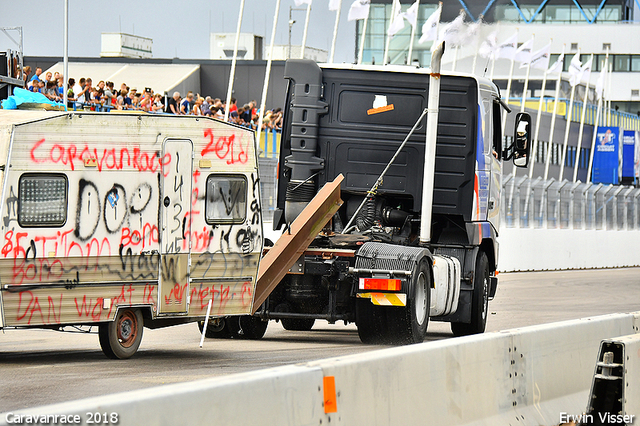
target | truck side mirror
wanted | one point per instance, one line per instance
(520, 149)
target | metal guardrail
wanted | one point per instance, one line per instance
(555, 204)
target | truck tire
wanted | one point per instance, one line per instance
(407, 325)
(221, 328)
(298, 324)
(479, 300)
(371, 322)
(252, 328)
(121, 338)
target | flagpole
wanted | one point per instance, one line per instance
(608, 97)
(65, 72)
(335, 32)
(526, 79)
(232, 74)
(567, 127)
(534, 146)
(267, 74)
(508, 92)
(553, 121)
(475, 56)
(413, 34)
(596, 123)
(304, 33)
(362, 39)
(386, 46)
(582, 117)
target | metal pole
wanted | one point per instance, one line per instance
(362, 39)
(553, 122)
(304, 33)
(534, 146)
(582, 117)
(386, 46)
(232, 74)
(428, 176)
(413, 35)
(566, 132)
(596, 124)
(526, 79)
(335, 32)
(267, 73)
(65, 71)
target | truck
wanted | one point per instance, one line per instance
(124, 221)
(415, 238)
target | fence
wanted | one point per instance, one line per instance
(554, 204)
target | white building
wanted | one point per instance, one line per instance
(284, 52)
(222, 45)
(121, 45)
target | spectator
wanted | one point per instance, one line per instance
(147, 100)
(48, 77)
(51, 91)
(70, 84)
(157, 103)
(109, 97)
(25, 74)
(173, 104)
(197, 107)
(80, 90)
(246, 114)
(36, 76)
(206, 106)
(185, 105)
(233, 106)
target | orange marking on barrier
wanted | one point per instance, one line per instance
(330, 403)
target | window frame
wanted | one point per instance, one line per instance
(66, 200)
(239, 176)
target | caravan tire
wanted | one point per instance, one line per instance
(121, 338)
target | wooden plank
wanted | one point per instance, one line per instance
(293, 243)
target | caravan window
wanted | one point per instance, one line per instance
(42, 200)
(226, 199)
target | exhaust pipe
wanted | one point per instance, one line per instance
(430, 146)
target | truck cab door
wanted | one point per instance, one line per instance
(175, 214)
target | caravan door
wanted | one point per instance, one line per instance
(175, 211)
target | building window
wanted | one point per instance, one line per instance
(226, 199)
(622, 63)
(42, 200)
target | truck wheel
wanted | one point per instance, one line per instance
(221, 328)
(298, 324)
(371, 322)
(252, 327)
(408, 324)
(479, 301)
(121, 338)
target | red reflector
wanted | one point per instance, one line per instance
(380, 284)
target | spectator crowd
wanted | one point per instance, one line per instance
(104, 97)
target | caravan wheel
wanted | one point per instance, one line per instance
(121, 338)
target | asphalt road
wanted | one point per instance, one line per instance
(39, 367)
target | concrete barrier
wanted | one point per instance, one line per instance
(526, 376)
(528, 249)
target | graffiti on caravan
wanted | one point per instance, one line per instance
(104, 159)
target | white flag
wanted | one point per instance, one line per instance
(359, 10)
(557, 65)
(540, 58)
(473, 30)
(397, 22)
(600, 82)
(430, 26)
(523, 54)
(488, 47)
(575, 70)
(411, 15)
(334, 5)
(507, 49)
(301, 2)
(453, 32)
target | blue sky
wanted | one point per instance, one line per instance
(178, 27)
